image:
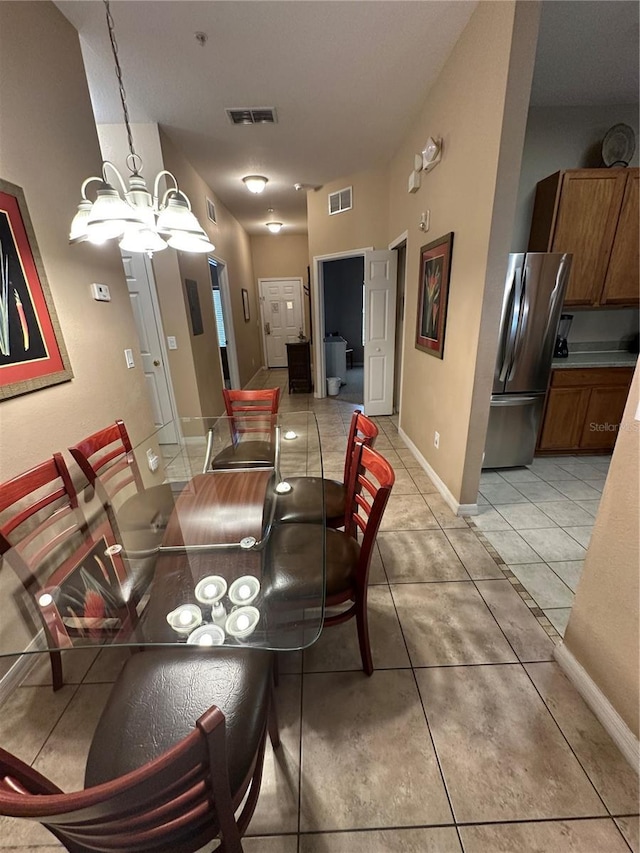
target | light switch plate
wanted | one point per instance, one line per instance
(100, 292)
(172, 342)
(128, 354)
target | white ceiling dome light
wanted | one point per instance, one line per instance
(255, 183)
(272, 225)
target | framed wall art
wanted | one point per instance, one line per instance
(32, 350)
(245, 305)
(433, 294)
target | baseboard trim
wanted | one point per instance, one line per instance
(441, 486)
(613, 723)
(259, 370)
(21, 668)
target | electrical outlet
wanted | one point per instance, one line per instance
(100, 292)
(152, 460)
(436, 440)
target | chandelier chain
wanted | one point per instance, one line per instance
(123, 94)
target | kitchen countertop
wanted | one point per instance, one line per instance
(610, 358)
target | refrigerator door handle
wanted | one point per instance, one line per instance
(523, 314)
(554, 297)
(512, 326)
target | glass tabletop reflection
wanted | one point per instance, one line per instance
(174, 545)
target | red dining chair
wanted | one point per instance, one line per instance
(138, 514)
(251, 417)
(292, 553)
(179, 746)
(76, 589)
(303, 502)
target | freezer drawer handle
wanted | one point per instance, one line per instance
(514, 401)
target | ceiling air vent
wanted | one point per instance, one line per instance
(340, 201)
(252, 115)
(211, 210)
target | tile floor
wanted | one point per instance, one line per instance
(539, 520)
(467, 737)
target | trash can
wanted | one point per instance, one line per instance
(333, 385)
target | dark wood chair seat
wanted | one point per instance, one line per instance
(166, 771)
(302, 503)
(161, 692)
(294, 550)
(248, 412)
(245, 454)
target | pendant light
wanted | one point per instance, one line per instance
(142, 222)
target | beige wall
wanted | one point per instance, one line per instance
(365, 225)
(603, 633)
(48, 145)
(282, 256)
(478, 107)
(233, 247)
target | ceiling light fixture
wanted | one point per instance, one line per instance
(255, 183)
(273, 226)
(142, 222)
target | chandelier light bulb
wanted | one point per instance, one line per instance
(255, 183)
(274, 227)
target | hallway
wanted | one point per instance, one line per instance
(468, 737)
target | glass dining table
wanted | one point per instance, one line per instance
(174, 545)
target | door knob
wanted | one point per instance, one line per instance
(377, 349)
(156, 363)
(267, 328)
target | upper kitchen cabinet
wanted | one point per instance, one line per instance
(621, 283)
(592, 213)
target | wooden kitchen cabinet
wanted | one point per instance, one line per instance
(621, 284)
(593, 214)
(583, 409)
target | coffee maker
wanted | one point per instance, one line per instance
(562, 348)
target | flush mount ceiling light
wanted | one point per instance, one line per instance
(255, 183)
(140, 221)
(273, 226)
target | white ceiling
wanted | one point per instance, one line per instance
(347, 79)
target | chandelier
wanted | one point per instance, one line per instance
(142, 222)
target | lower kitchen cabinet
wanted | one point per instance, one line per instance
(583, 409)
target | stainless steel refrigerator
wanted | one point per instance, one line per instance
(531, 307)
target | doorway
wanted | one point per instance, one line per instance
(400, 245)
(343, 291)
(224, 323)
(146, 314)
(378, 327)
(282, 317)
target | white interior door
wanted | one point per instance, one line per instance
(281, 306)
(380, 274)
(149, 327)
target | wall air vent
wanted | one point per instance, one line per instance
(211, 211)
(252, 115)
(340, 201)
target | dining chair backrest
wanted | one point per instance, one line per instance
(363, 429)
(251, 411)
(108, 454)
(38, 512)
(73, 588)
(179, 801)
(368, 490)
